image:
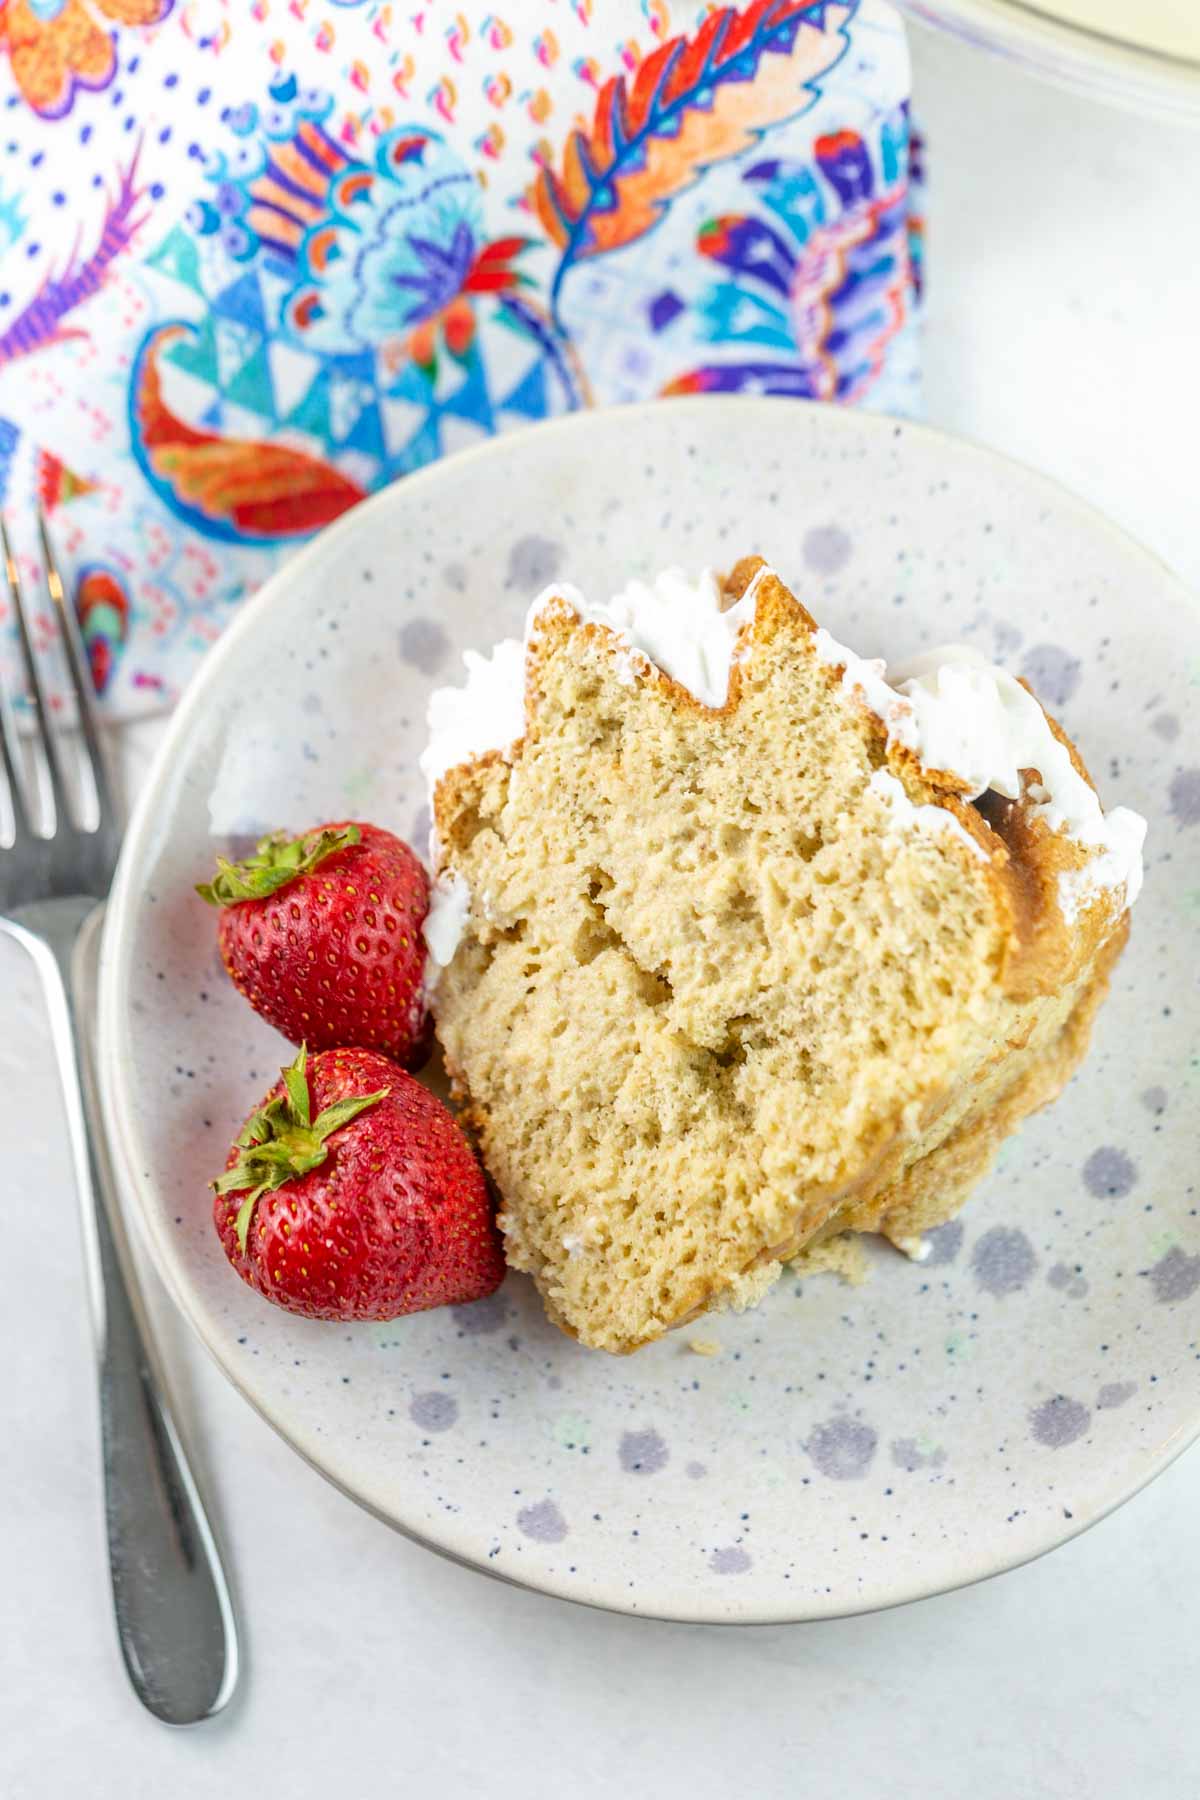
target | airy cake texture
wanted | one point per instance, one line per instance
(724, 966)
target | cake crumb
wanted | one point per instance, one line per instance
(842, 1255)
(704, 1347)
(748, 1288)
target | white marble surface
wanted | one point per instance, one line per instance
(1065, 285)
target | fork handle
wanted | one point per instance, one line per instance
(174, 1612)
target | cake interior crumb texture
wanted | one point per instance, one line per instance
(717, 1001)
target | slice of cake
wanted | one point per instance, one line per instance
(741, 942)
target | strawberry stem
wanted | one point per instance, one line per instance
(283, 1141)
(277, 860)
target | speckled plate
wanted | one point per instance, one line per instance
(848, 1448)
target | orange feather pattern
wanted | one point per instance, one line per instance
(693, 102)
(235, 487)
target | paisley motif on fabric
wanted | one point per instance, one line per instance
(360, 321)
(816, 285)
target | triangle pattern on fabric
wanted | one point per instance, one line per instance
(347, 398)
(423, 447)
(242, 302)
(176, 257)
(274, 286)
(292, 374)
(366, 434)
(235, 345)
(401, 421)
(251, 387)
(412, 383)
(311, 413)
(528, 397)
(470, 401)
(195, 351)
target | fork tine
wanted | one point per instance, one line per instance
(37, 694)
(10, 754)
(80, 676)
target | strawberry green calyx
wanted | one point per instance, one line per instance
(277, 860)
(284, 1141)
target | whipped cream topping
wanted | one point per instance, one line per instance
(444, 924)
(961, 715)
(958, 713)
(672, 623)
(678, 625)
(487, 714)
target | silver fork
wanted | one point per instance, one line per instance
(174, 1613)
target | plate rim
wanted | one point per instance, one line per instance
(1069, 54)
(115, 1019)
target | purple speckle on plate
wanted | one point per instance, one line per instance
(731, 1559)
(532, 562)
(1059, 1421)
(1108, 1173)
(945, 1242)
(543, 1522)
(1175, 1276)
(843, 1448)
(433, 1411)
(1185, 796)
(1003, 1260)
(1053, 674)
(423, 645)
(643, 1453)
(826, 549)
(481, 1317)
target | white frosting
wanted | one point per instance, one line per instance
(917, 1249)
(955, 711)
(445, 922)
(672, 623)
(1120, 864)
(906, 816)
(678, 625)
(487, 714)
(961, 715)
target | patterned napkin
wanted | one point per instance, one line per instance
(259, 257)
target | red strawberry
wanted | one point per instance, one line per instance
(352, 1194)
(322, 934)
